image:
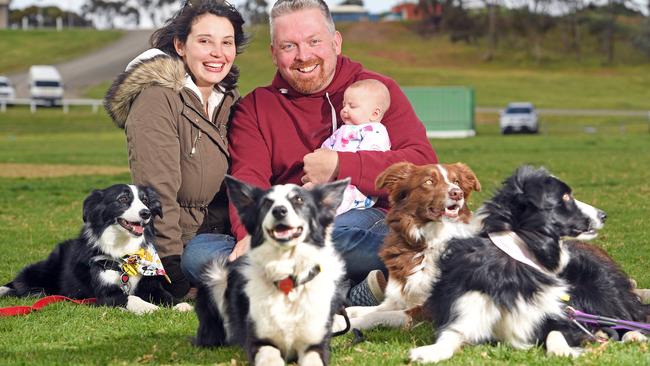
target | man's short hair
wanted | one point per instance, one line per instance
(284, 7)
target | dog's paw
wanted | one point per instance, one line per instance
(556, 345)
(634, 336)
(430, 354)
(355, 311)
(5, 291)
(183, 307)
(338, 323)
(310, 359)
(270, 356)
(138, 306)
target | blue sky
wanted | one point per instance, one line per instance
(374, 6)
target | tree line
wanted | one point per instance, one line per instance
(487, 22)
(609, 22)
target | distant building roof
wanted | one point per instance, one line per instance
(347, 9)
(351, 13)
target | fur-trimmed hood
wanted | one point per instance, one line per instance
(161, 70)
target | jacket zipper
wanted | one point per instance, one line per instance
(196, 141)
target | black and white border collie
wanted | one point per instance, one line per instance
(118, 221)
(278, 300)
(484, 294)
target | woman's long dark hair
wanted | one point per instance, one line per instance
(180, 25)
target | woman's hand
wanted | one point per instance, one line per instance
(240, 248)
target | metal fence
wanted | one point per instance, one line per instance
(94, 104)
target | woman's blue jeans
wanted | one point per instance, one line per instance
(357, 235)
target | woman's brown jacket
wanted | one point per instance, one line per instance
(174, 148)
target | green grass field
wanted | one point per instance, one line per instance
(606, 167)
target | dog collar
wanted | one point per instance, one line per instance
(144, 262)
(511, 244)
(287, 284)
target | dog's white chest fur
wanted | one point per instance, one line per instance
(112, 277)
(299, 319)
(436, 234)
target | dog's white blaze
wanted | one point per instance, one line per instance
(111, 277)
(450, 186)
(133, 213)
(280, 196)
(592, 213)
(296, 321)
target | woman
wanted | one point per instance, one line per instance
(174, 103)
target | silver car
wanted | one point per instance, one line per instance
(519, 117)
(7, 91)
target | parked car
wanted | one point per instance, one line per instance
(45, 84)
(7, 91)
(519, 117)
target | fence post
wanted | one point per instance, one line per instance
(3, 106)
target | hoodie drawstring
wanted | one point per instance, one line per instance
(327, 95)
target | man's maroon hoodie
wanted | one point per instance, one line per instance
(274, 127)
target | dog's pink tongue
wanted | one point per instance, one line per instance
(138, 229)
(283, 234)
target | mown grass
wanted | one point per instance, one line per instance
(20, 49)
(606, 167)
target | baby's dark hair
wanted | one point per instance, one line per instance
(180, 24)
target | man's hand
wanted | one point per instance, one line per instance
(320, 166)
(240, 248)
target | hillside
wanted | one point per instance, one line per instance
(395, 49)
(558, 80)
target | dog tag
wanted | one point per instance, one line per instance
(286, 285)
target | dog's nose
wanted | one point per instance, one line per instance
(145, 214)
(456, 194)
(602, 215)
(279, 212)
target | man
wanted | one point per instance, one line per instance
(277, 130)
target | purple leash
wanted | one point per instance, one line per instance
(579, 316)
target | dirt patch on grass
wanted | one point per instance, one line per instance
(60, 170)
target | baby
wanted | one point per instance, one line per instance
(364, 105)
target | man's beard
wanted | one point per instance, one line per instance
(314, 83)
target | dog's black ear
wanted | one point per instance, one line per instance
(91, 202)
(242, 195)
(330, 195)
(153, 199)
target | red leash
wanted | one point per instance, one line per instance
(41, 303)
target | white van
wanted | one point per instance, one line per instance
(45, 84)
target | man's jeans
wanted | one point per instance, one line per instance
(357, 235)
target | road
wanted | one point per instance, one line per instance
(103, 64)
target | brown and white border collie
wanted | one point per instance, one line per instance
(428, 208)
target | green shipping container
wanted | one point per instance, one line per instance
(446, 112)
